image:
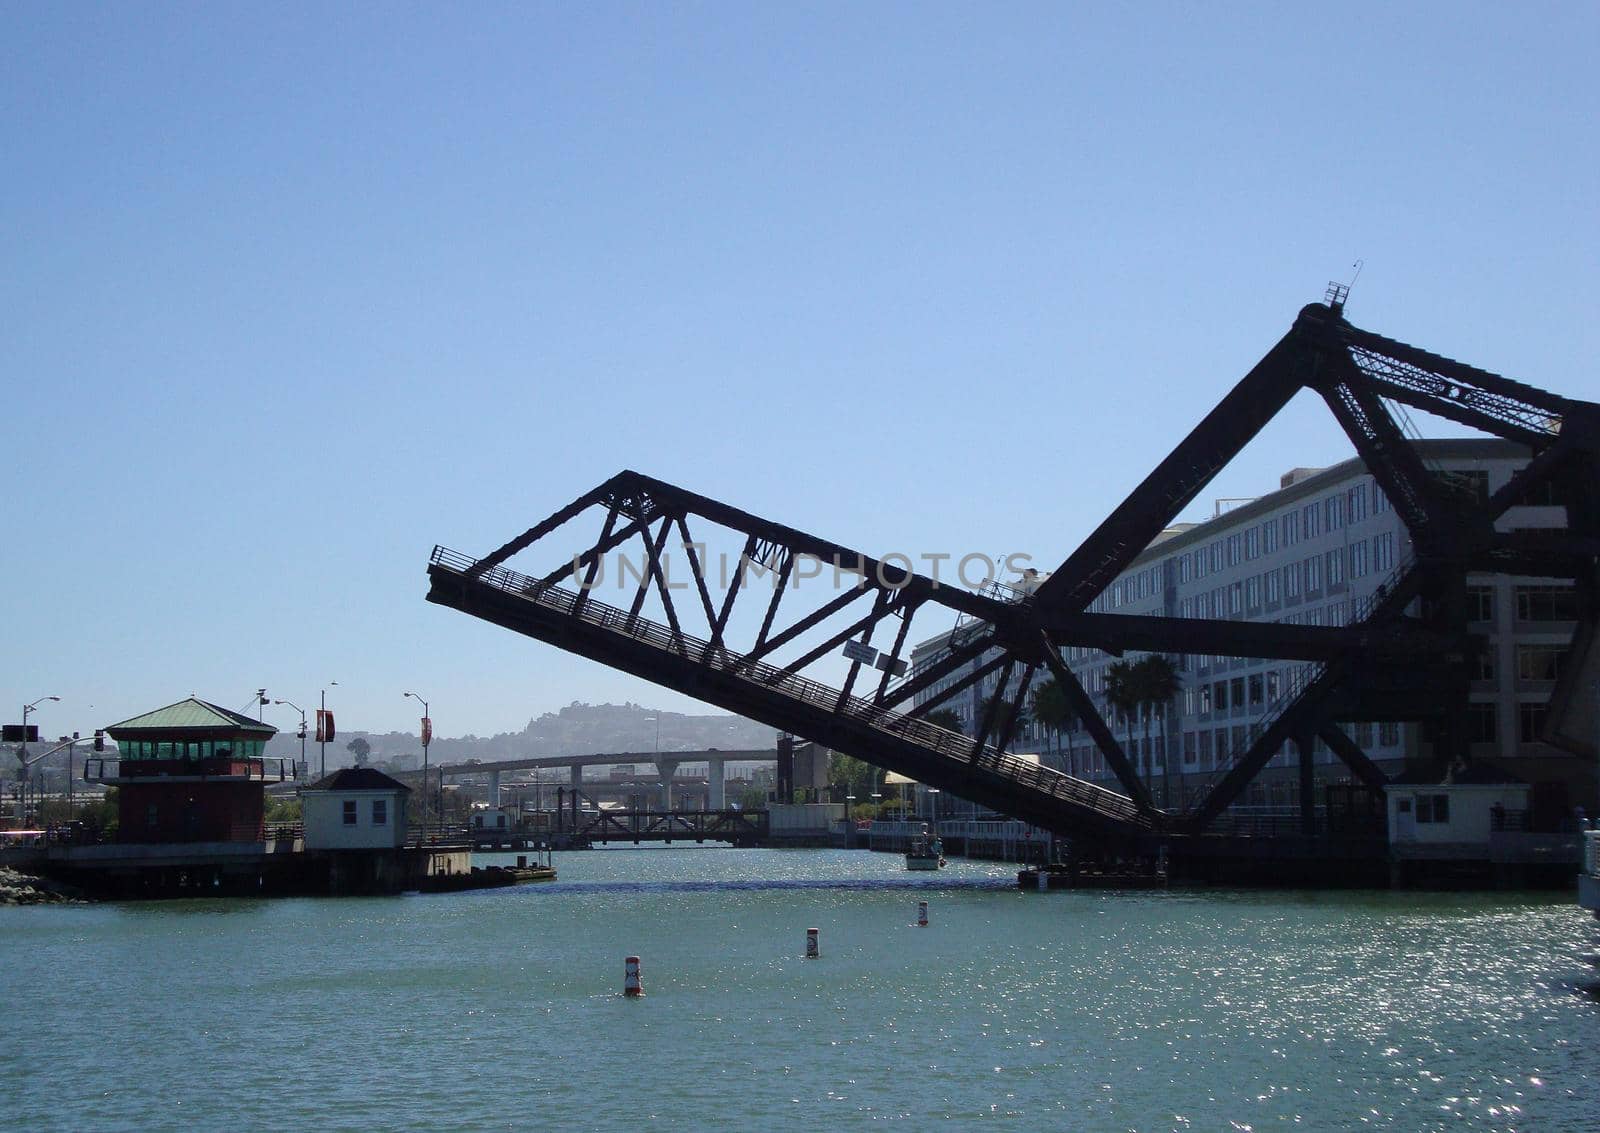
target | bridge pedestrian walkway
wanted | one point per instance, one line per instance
(886, 738)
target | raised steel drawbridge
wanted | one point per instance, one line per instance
(814, 638)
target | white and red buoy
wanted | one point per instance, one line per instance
(632, 986)
(812, 949)
(922, 914)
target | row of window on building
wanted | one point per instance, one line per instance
(1288, 584)
(1483, 721)
(1207, 749)
(1534, 603)
(193, 749)
(1537, 662)
(1334, 512)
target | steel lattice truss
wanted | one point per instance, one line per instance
(715, 603)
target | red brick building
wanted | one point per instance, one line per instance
(190, 772)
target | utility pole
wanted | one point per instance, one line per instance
(302, 712)
(427, 737)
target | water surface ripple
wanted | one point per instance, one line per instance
(1179, 1010)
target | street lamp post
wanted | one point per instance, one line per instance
(322, 730)
(22, 748)
(28, 708)
(302, 712)
(427, 736)
(72, 750)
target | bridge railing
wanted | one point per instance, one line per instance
(930, 737)
(645, 825)
(980, 830)
(438, 834)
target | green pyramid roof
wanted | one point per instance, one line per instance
(192, 715)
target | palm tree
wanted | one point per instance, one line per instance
(1022, 720)
(1156, 682)
(998, 704)
(1122, 698)
(1052, 709)
(1139, 694)
(946, 718)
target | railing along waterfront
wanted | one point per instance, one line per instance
(441, 835)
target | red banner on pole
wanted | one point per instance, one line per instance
(427, 731)
(324, 726)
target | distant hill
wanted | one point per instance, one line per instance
(578, 729)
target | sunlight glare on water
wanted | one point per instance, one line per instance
(502, 1009)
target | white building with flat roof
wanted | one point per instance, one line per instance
(1314, 552)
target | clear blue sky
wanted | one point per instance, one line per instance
(292, 293)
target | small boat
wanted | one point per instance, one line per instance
(925, 853)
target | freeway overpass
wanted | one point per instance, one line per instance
(807, 756)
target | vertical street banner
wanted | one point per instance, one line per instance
(324, 726)
(427, 731)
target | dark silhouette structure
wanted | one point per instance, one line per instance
(760, 650)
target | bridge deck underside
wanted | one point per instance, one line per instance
(719, 676)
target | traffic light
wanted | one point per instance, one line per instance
(99, 739)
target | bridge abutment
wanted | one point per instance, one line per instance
(716, 784)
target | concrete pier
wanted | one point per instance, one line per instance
(666, 768)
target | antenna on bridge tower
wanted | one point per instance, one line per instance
(1339, 292)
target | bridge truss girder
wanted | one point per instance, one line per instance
(757, 650)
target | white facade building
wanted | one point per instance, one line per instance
(1314, 552)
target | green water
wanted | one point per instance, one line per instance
(1096, 1011)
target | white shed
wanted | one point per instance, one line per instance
(500, 819)
(1459, 808)
(358, 808)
